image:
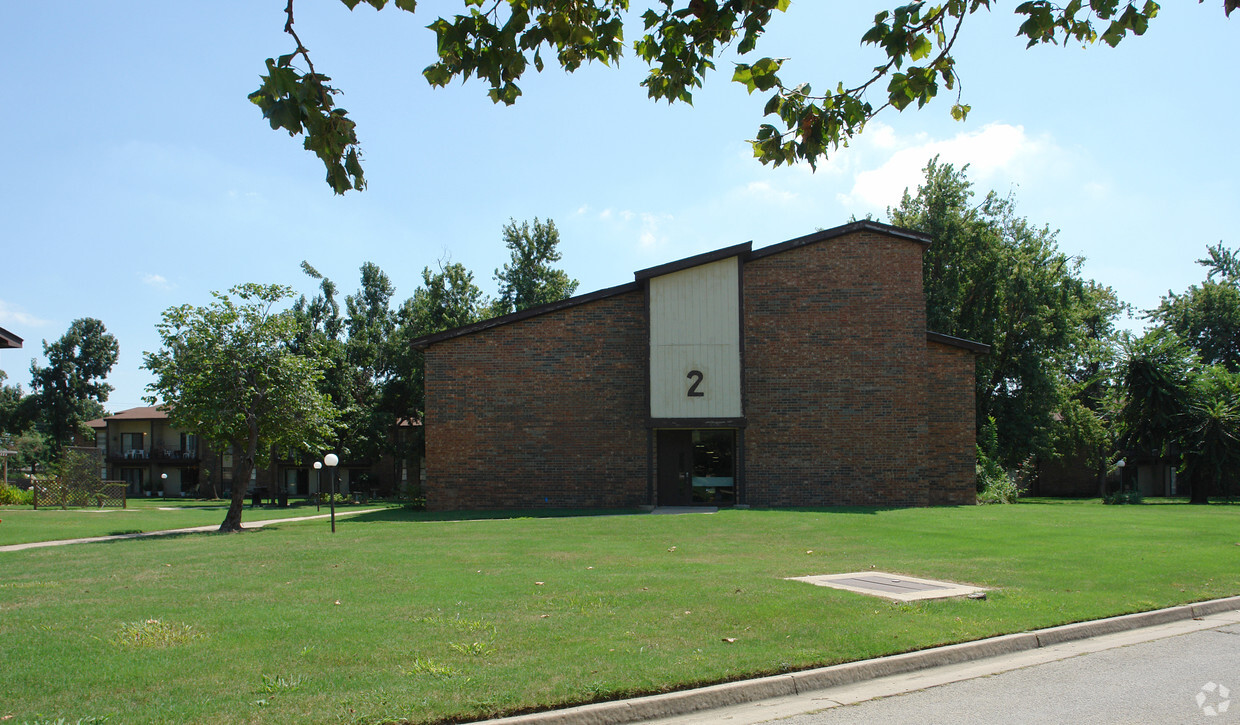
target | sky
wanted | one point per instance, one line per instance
(139, 177)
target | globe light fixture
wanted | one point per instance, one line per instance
(318, 499)
(330, 460)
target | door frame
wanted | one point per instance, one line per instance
(687, 426)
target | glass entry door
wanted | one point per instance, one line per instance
(696, 467)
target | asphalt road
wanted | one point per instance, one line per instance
(1185, 672)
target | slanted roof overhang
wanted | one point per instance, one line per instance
(977, 347)
(865, 225)
(745, 251)
(8, 340)
(736, 250)
(426, 341)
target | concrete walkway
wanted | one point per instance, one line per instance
(171, 532)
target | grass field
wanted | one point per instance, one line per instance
(397, 618)
(21, 524)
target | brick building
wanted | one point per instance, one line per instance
(799, 374)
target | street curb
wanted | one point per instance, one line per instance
(728, 694)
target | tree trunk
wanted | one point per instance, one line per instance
(1201, 491)
(241, 479)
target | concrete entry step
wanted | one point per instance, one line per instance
(685, 510)
(892, 586)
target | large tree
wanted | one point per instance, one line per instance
(370, 323)
(355, 348)
(992, 276)
(228, 372)
(528, 278)
(71, 389)
(681, 40)
(1207, 316)
(1181, 381)
(1210, 442)
(1172, 406)
(12, 419)
(448, 298)
(1155, 379)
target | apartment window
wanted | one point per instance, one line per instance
(131, 444)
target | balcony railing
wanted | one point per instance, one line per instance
(138, 455)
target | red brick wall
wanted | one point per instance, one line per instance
(846, 401)
(835, 341)
(951, 455)
(545, 412)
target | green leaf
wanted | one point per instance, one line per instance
(744, 75)
(920, 48)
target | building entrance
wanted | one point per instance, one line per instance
(696, 467)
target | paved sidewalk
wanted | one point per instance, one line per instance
(766, 698)
(171, 532)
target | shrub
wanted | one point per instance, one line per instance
(1122, 497)
(994, 484)
(13, 496)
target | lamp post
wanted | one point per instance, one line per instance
(318, 500)
(163, 480)
(1120, 465)
(330, 460)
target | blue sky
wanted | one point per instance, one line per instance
(138, 175)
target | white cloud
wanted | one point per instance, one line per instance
(11, 315)
(650, 235)
(157, 281)
(995, 151)
(765, 191)
(646, 226)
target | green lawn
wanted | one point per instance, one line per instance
(396, 617)
(21, 524)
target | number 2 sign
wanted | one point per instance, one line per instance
(696, 376)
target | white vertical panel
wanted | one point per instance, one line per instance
(695, 325)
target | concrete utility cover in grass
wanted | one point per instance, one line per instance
(893, 586)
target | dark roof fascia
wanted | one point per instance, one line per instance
(865, 225)
(745, 251)
(977, 347)
(8, 340)
(736, 250)
(426, 341)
